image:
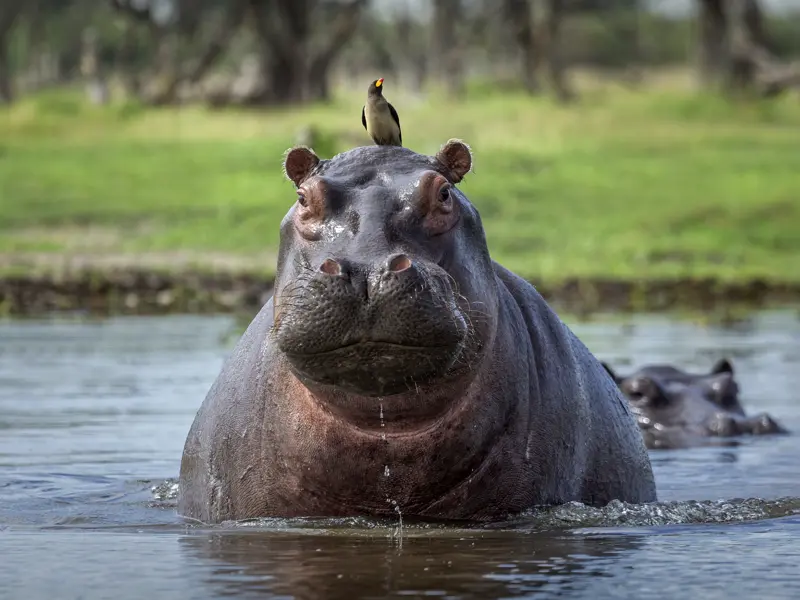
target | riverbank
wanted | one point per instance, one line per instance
(653, 197)
(136, 290)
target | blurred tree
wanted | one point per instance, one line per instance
(712, 29)
(10, 10)
(284, 51)
(735, 52)
(600, 6)
(520, 20)
(446, 47)
(555, 59)
(298, 41)
(92, 70)
(174, 25)
(539, 41)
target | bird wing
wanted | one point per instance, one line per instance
(396, 120)
(364, 118)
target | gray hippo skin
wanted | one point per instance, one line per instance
(398, 369)
(677, 409)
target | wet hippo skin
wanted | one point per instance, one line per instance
(398, 369)
(678, 409)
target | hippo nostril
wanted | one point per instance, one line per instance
(399, 263)
(330, 267)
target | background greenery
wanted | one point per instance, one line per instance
(660, 182)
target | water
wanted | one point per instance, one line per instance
(93, 414)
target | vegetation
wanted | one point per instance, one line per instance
(625, 185)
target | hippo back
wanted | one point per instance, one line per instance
(598, 431)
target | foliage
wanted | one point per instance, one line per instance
(631, 185)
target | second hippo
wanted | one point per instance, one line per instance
(678, 409)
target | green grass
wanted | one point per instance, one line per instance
(649, 184)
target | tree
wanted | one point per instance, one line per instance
(175, 25)
(539, 42)
(446, 48)
(520, 19)
(298, 41)
(555, 61)
(734, 50)
(10, 10)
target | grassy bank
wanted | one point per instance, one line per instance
(651, 185)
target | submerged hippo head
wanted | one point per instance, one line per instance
(382, 270)
(676, 408)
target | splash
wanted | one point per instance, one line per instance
(398, 533)
(573, 516)
(622, 514)
(166, 490)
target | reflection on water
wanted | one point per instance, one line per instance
(93, 414)
(474, 565)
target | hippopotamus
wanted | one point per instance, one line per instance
(398, 371)
(677, 409)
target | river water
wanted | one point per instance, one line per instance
(94, 413)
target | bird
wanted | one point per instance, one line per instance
(380, 118)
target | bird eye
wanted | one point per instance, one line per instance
(444, 194)
(301, 198)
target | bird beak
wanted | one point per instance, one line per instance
(379, 83)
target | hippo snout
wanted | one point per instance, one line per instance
(396, 269)
(374, 329)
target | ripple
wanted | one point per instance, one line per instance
(570, 515)
(617, 514)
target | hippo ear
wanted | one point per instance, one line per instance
(298, 164)
(611, 372)
(456, 157)
(723, 365)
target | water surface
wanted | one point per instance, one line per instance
(94, 413)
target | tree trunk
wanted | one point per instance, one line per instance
(124, 60)
(96, 85)
(518, 13)
(413, 59)
(753, 19)
(277, 64)
(713, 43)
(167, 76)
(292, 72)
(403, 66)
(447, 52)
(734, 50)
(9, 11)
(555, 59)
(6, 91)
(219, 42)
(635, 70)
(742, 69)
(341, 31)
(296, 16)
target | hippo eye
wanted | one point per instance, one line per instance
(444, 193)
(301, 198)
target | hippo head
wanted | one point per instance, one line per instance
(662, 396)
(385, 283)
